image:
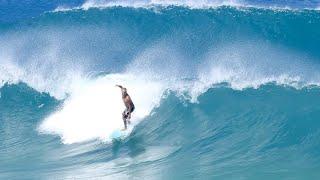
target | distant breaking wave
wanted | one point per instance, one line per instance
(288, 5)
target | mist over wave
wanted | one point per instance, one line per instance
(51, 53)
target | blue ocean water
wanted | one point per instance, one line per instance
(222, 89)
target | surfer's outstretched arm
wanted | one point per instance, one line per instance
(119, 86)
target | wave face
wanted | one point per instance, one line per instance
(271, 132)
(220, 93)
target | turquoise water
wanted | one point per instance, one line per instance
(224, 92)
(271, 132)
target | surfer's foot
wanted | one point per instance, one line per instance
(123, 129)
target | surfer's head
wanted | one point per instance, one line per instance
(124, 91)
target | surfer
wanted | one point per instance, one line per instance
(126, 115)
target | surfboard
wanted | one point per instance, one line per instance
(121, 134)
(118, 134)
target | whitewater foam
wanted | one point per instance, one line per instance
(94, 109)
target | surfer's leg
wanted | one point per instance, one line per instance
(129, 114)
(124, 118)
(129, 117)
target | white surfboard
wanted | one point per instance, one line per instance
(120, 133)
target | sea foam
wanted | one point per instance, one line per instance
(94, 109)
